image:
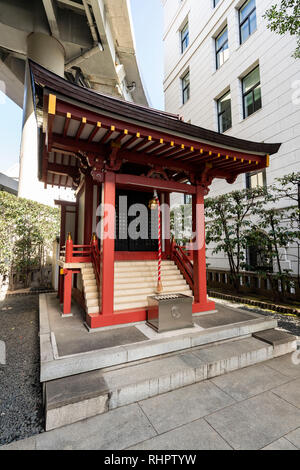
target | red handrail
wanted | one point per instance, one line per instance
(84, 254)
(76, 253)
(96, 260)
(184, 264)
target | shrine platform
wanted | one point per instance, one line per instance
(87, 373)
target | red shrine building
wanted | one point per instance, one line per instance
(106, 148)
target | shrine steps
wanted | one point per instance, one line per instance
(90, 289)
(133, 282)
(74, 398)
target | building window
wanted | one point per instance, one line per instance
(256, 259)
(224, 112)
(215, 2)
(222, 51)
(247, 16)
(251, 92)
(185, 37)
(185, 82)
(256, 179)
(187, 199)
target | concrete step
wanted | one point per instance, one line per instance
(91, 295)
(87, 271)
(127, 304)
(140, 294)
(87, 277)
(141, 286)
(92, 302)
(89, 282)
(86, 265)
(173, 271)
(91, 288)
(144, 279)
(93, 309)
(141, 267)
(144, 269)
(81, 396)
(130, 305)
(143, 263)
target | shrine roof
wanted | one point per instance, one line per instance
(145, 115)
(81, 120)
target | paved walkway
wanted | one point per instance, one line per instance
(253, 408)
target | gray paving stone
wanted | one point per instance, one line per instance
(285, 365)
(75, 388)
(228, 349)
(294, 437)
(73, 365)
(234, 355)
(197, 435)
(182, 406)
(225, 316)
(256, 422)
(152, 369)
(115, 430)
(68, 414)
(82, 341)
(157, 347)
(290, 392)
(251, 381)
(24, 444)
(144, 381)
(274, 337)
(280, 444)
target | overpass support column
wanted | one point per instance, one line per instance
(48, 52)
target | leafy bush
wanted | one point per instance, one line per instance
(27, 231)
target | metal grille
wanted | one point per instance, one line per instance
(168, 296)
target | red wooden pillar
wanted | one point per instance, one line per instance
(199, 256)
(108, 243)
(61, 286)
(67, 278)
(67, 292)
(167, 225)
(88, 209)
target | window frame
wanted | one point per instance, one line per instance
(187, 199)
(215, 3)
(222, 112)
(244, 21)
(244, 94)
(252, 173)
(187, 87)
(186, 38)
(217, 51)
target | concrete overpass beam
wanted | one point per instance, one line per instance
(49, 53)
(51, 13)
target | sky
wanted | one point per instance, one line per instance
(10, 132)
(147, 17)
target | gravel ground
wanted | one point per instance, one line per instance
(21, 409)
(286, 322)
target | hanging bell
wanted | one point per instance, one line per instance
(153, 204)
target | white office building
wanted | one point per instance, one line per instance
(225, 71)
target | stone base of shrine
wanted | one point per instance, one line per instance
(68, 347)
(85, 374)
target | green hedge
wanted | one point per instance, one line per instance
(27, 231)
